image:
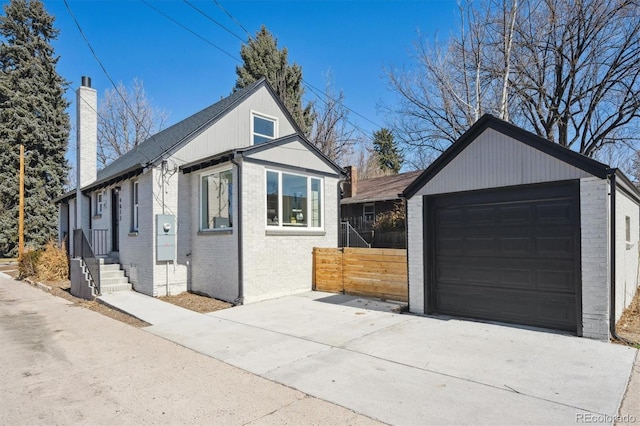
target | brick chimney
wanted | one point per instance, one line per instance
(351, 183)
(87, 145)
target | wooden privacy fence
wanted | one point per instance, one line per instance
(369, 272)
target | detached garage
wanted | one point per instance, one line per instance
(506, 226)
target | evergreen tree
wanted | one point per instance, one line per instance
(388, 154)
(261, 58)
(32, 113)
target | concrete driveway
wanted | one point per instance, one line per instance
(405, 369)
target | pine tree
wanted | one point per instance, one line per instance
(261, 58)
(32, 113)
(388, 154)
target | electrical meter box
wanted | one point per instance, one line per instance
(165, 237)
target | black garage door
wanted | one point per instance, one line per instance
(510, 255)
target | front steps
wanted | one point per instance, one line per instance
(112, 278)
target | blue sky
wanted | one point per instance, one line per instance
(183, 74)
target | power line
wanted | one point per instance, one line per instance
(317, 92)
(189, 30)
(104, 70)
(232, 18)
(306, 83)
(212, 20)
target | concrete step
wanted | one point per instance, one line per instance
(115, 267)
(113, 281)
(109, 260)
(108, 273)
(114, 288)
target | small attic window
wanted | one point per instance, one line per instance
(263, 129)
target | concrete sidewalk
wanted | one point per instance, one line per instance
(404, 369)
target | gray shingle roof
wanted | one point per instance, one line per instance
(154, 147)
(381, 188)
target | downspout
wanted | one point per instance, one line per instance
(612, 264)
(339, 224)
(240, 299)
(406, 243)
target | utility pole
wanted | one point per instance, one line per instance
(21, 206)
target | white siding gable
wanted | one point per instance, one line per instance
(495, 160)
(233, 130)
(294, 153)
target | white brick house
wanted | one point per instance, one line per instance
(510, 227)
(228, 202)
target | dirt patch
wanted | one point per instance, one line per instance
(629, 324)
(195, 302)
(63, 289)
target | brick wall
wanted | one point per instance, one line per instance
(415, 253)
(277, 265)
(136, 248)
(214, 257)
(169, 277)
(594, 211)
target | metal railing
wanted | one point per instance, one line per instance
(82, 249)
(98, 239)
(349, 237)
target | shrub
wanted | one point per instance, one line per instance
(28, 264)
(48, 264)
(391, 220)
(53, 264)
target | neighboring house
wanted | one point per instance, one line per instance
(507, 226)
(363, 200)
(228, 202)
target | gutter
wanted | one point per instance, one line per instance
(240, 299)
(611, 174)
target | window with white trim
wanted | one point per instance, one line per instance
(293, 200)
(264, 128)
(134, 206)
(99, 201)
(216, 198)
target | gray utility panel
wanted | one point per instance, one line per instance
(509, 255)
(165, 237)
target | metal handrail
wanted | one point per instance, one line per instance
(351, 237)
(83, 250)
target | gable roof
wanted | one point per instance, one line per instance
(553, 149)
(152, 150)
(227, 155)
(381, 188)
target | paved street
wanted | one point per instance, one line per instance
(313, 358)
(62, 364)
